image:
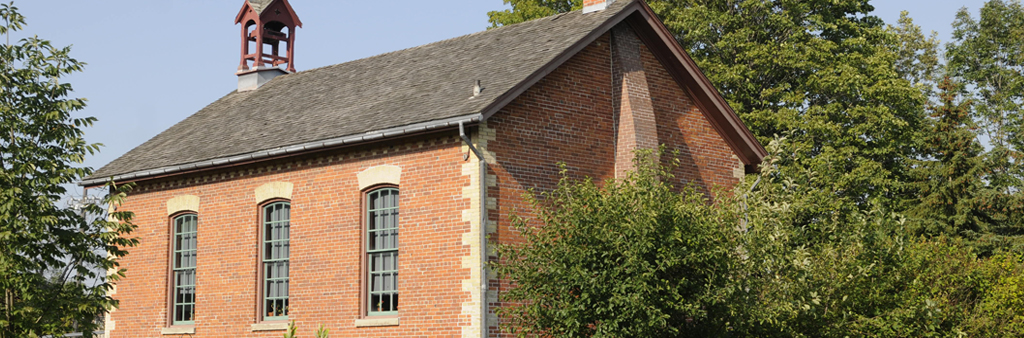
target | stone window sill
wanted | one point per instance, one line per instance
(375, 322)
(178, 330)
(273, 326)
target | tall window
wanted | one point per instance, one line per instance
(382, 251)
(184, 269)
(276, 221)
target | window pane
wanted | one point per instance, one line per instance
(382, 243)
(183, 266)
(276, 247)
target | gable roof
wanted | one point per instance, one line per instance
(408, 91)
(259, 5)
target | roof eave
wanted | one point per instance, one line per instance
(241, 12)
(291, 11)
(286, 151)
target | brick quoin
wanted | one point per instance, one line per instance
(569, 116)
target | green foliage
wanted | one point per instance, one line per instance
(856, 273)
(824, 276)
(987, 54)
(323, 332)
(290, 333)
(40, 146)
(639, 258)
(950, 185)
(918, 56)
(1001, 312)
(525, 10)
(628, 259)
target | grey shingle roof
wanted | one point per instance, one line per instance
(432, 82)
(259, 5)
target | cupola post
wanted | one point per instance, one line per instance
(266, 24)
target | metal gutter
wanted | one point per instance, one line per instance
(347, 140)
(483, 228)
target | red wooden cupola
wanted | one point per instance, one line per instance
(266, 24)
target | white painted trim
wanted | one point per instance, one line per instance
(382, 174)
(178, 330)
(375, 322)
(274, 190)
(182, 203)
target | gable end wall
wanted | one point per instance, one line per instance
(570, 116)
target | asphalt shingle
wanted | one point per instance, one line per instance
(415, 85)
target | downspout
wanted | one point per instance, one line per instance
(483, 227)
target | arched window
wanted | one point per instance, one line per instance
(382, 251)
(183, 269)
(274, 253)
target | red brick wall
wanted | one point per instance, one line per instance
(568, 117)
(325, 242)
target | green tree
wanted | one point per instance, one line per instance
(857, 273)
(950, 185)
(40, 145)
(821, 71)
(633, 258)
(629, 259)
(918, 55)
(525, 10)
(987, 54)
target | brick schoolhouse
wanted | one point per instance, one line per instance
(364, 196)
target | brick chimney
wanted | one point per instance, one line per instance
(635, 123)
(595, 5)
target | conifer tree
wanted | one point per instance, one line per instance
(951, 183)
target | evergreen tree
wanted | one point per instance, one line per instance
(951, 185)
(987, 55)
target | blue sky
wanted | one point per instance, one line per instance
(154, 63)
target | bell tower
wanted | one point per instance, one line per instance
(268, 41)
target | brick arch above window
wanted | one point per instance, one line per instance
(274, 190)
(382, 174)
(182, 203)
